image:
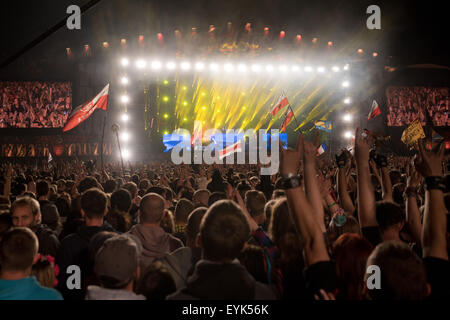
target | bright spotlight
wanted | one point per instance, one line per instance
(308, 69)
(269, 68)
(346, 67)
(214, 67)
(345, 84)
(124, 117)
(185, 66)
(348, 134)
(295, 68)
(124, 80)
(347, 118)
(141, 64)
(347, 100)
(283, 68)
(126, 154)
(156, 65)
(199, 66)
(228, 67)
(321, 69)
(256, 68)
(124, 62)
(171, 65)
(335, 69)
(242, 67)
(125, 99)
(125, 136)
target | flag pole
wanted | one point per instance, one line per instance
(103, 137)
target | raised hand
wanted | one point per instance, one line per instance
(429, 163)
(362, 148)
(290, 158)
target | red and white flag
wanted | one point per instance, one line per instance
(374, 110)
(236, 147)
(280, 104)
(287, 119)
(84, 111)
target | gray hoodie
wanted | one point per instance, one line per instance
(155, 243)
(99, 293)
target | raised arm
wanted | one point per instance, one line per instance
(386, 184)
(366, 197)
(412, 209)
(434, 242)
(315, 248)
(344, 198)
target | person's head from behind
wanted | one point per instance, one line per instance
(88, 183)
(132, 189)
(350, 252)
(44, 271)
(93, 204)
(216, 196)
(254, 260)
(284, 233)
(151, 209)
(255, 202)
(402, 273)
(117, 262)
(278, 193)
(193, 226)
(121, 200)
(18, 252)
(97, 241)
(182, 210)
(223, 231)
(390, 218)
(156, 282)
(42, 188)
(110, 186)
(201, 197)
(26, 212)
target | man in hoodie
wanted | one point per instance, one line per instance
(74, 247)
(26, 212)
(117, 268)
(18, 253)
(182, 261)
(155, 241)
(224, 231)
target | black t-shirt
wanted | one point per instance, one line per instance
(373, 234)
(321, 275)
(438, 273)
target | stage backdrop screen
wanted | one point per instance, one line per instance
(34, 104)
(405, 104)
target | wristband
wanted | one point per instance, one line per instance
(435, 182)
(410, 192)
(291, 182)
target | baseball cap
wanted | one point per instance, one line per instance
(118, 258)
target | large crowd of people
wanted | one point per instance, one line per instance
(407, 104)
(315, 230)
(34, 104)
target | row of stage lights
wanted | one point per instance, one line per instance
(157, 65)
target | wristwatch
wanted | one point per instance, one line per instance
(291, 182)
(435, 182)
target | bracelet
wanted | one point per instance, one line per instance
(435, 183)
(292, 182)
(332, 204)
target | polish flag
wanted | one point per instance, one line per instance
(287, 119)
(85, 110)
(280, 104)
(374, 110)
(236, 147)
(321, 149)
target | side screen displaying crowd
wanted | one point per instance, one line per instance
(316, 230)
(407, 104)
(35, 104)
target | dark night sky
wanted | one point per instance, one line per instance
(412, 31)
